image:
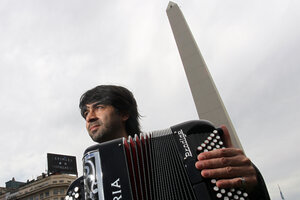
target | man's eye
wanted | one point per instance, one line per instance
(100, 107)
(85, 114)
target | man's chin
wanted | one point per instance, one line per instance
(102, 138)
(99, 138)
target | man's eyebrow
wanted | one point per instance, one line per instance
(97, 104)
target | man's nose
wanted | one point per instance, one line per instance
(91, 116)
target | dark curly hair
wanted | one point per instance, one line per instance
(118, 97)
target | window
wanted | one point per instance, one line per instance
(47, 193)
(55, 191)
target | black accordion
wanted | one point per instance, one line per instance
(158, 165)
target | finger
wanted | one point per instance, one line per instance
(226, 137)
(231, 183)
(248, 183)
(219, 153)
(228, 172)
(239, 160)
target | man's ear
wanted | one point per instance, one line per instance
(124, 117)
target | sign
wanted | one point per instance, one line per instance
(61, 164)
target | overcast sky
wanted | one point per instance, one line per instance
(53, 51)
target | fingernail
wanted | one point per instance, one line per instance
(198, 165)
(201, 157)
(204, 173)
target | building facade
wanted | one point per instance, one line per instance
(52, 187)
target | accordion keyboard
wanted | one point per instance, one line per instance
(212, 142)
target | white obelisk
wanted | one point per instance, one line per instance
(208, 102)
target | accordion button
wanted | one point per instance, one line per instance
(226, 198)
(245, 194)
(223, 191)
(236, 197)
(213, 181)
(216, 188)
(215, 131)
(199, 148)
(219, 195)
(76, 189)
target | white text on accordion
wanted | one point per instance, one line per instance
(116, 190)
(182, 139)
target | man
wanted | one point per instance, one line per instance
(111, 112)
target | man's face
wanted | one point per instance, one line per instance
(104, 123)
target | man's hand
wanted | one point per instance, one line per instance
(230, 166)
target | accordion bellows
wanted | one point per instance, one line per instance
(155, 165)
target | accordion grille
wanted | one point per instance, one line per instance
(170, 180)
(157, 171)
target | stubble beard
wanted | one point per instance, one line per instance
(105, 132)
